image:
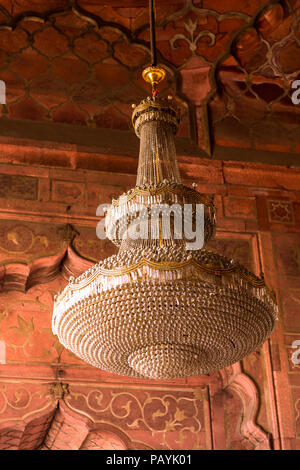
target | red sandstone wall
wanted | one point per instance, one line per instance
(252, 405)
(82, 68)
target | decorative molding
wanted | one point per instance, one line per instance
(67, 233)
(59, 390)
(191, 27)
(281, 211)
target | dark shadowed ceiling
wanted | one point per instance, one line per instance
(72, 69)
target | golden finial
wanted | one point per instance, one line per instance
(154, 75)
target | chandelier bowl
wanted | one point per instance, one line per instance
(164, 319)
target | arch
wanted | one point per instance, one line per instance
(99, 439)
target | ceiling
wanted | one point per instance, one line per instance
(72, 70)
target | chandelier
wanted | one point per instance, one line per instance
(159, 309)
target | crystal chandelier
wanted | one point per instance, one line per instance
(158, 309)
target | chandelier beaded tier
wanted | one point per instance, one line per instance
(158, 309)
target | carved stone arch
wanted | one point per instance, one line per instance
(102, 440)
(108, 436)
(73, 430)
(67, 431)
(21, 277)
(23, 270)
(251, 434)
(213, 72)
(259, 80)
(26, 433)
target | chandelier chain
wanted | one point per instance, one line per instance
(152, 33)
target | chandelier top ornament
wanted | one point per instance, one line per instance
(160, 309)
